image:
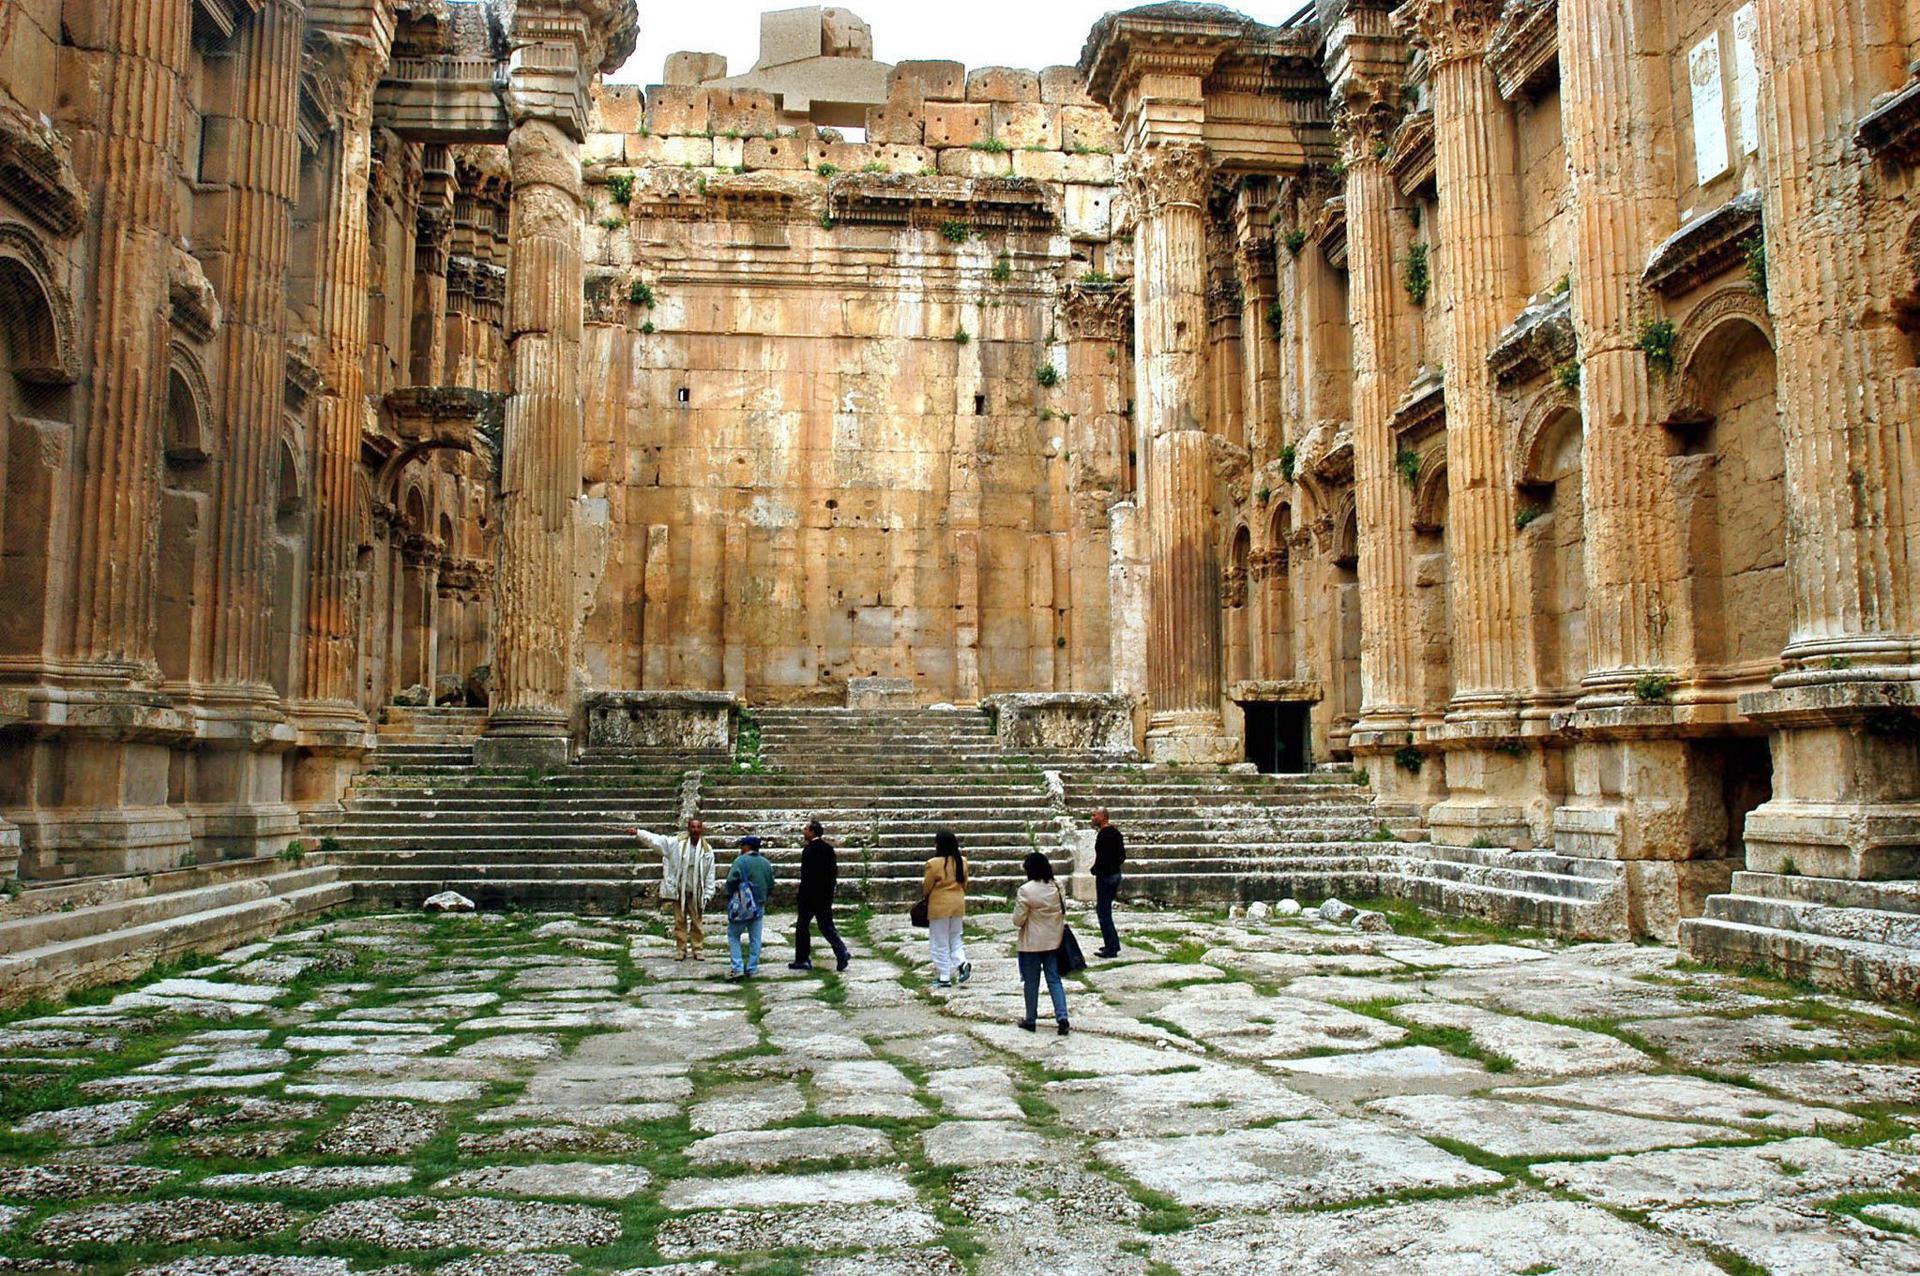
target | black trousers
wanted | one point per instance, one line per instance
(1106, 889)
(815, 911)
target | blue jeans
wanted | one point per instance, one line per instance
(1032, 966)
(1106, 889)
(752, 931)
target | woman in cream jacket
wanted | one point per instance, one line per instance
(1040, 918)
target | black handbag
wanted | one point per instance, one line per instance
(1071, 959)
(918, 914)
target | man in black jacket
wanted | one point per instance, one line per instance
(1109, 853)
(819, 870)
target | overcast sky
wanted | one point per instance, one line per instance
(1026, 33)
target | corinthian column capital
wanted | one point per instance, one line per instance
(1450, 30)
(1364, 117)
(1164, 177)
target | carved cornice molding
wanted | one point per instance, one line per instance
(1708, 246)
(1891, 129)
(1413, 161)
(1164, 177)
(1097, 312)
(1451, 30)
(36, 174)
(195, 306)
(1525, 50)
(1540, 340)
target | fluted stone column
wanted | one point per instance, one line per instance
(1170, 304)
(1390, 662)
(1640, 792)
(1846, 783)
(1500, 794)
(433, 242)
(91, 784)
(333, 726)
(540, 481)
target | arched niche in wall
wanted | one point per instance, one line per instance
(189, 441)
(36, 342)
(1550, 525)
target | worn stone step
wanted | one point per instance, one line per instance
(1891, 897)
(1812, 917)
(1574, 918)
(1883, 972)
(1561, 885)
(109, 955)
(42, 929)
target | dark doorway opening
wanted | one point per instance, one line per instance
(1277, 737)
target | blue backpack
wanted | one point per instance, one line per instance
(743, 905)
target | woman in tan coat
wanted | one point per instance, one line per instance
(1040, 918)
(945, 888)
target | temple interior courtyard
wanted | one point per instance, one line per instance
(1442, 476)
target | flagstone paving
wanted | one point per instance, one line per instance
(549, 1096)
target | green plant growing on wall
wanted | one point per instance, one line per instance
(1096, 278)
(827, 170)
(1263, 495)
(1408, 463)
(1288, 455)
(1296, 240)
(992, 146)
(956, 232)
(1276, 319)
(1003, 268)
(1409, 759)
(961, 336)
(641, 294)
(1755, 247)
(875, 167)
(1417, 278)
(826, 221)
(1565, 285)
(1525, 516)
(1047, 375)
(1653, 687)
(620, 187)
(1656, 342)
(647, 328)
(1567, 376)
(612, 223)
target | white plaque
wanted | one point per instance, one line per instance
(1746, 78)
(1709, 111)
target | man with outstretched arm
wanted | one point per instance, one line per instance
(819, 872)
(686, 881)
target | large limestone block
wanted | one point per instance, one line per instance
(678, 111)
(1088, 128)
(606, 148)
(776, 153)
(848, 157)
(1025, 124)
(963, 162)
(1087, 212)
(1041, 166)
(955, 124)
(681, 151)
(1064, 86)
(897, 122)
(936, 81)
(690, 70)
(1002, 84)
(616, 108)
(746, 112)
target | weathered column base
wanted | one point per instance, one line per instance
(84, 775)
(1407, 780)
(1658, 804)
(331, 743)
(516, 741)
(1846, 782)
(1500, 783)
(1193, 737)
(235, 789)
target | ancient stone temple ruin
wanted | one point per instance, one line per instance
(1447, 449)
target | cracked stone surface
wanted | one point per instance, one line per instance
(500, 1096)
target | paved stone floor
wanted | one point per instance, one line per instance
(536, 1094)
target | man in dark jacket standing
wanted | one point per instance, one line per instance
(819, 870)
(1109, 853)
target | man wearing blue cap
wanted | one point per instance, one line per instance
(749, 886)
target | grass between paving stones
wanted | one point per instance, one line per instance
(1854, 1205)
(1453, 1041)
(1412, 920)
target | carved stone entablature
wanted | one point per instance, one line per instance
(1413, 160)
(1334, 465)
(1422, 413)
(606, 296)
(1277, 691)
(1010, 203)
(1162, 177)
(1706, 247)
(1450, 30)
(469, 576)
(1097, 312)
(1224, 297)
(303, 377)
(1330, 231)
(1540, 340)
(489, 282)
(214, 20)
(460, 275)
(1160, 39)
(1254, 256)
(1891, 130)
(1525, 51)
(37, 176)
(196, 309)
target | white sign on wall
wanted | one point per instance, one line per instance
(1746, 78)
(1710, 157)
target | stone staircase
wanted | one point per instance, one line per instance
(1856, 937)
(95, 930)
